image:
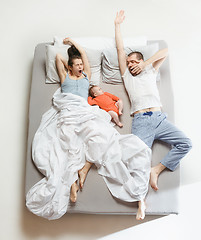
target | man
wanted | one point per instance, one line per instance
(149, 123)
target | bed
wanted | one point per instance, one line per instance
(95, 197)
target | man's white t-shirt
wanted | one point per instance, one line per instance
(142, 89)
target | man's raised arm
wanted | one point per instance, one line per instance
(119, 42)
(158, 58)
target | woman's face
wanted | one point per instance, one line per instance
(77, 67)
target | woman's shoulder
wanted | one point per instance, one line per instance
(85, 75)
(88, 74)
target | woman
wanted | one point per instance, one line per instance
(74, 75)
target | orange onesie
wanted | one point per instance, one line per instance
(105, 101)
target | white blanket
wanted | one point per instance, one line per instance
(72, 132)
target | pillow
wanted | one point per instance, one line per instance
(101, 43)
(97, 43)
(51, 69)
(94, 57)
(110, 65)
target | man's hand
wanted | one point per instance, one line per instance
(119, 17)
(135, 70)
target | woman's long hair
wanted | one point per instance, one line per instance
(73, 53)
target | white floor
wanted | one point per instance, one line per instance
(24, 24)
(185, 226)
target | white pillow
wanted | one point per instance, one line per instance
(97, 43)
(101, 43)
(51, 70)
(147, 51)
(94, 57)
(110, 65)
(93, 47)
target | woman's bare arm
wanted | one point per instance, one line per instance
(62, 65)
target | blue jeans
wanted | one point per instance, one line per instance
(154, 125)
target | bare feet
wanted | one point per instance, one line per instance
(155, 172)
(115, 118)
(83, 173)
(120, 124)
(82, 176)
(141, 210)
(73, 192)
(154, 179)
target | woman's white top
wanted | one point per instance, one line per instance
(142, 89)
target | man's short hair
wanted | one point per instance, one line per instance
(139, 55)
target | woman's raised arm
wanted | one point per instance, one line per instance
(87, 68)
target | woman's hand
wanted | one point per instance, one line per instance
(68, 41)
(119, 17)
(85, 61)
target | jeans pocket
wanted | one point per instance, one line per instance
(138, 123)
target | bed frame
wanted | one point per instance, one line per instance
(95, 198)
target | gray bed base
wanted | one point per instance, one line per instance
(95, 197)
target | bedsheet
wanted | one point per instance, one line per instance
(72, 132)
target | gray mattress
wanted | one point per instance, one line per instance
(95, 197)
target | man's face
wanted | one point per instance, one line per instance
(132, 61)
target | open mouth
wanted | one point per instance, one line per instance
(80, 71)
(135, 74)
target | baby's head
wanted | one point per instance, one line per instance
(95, 91)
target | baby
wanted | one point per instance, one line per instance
(106, 101)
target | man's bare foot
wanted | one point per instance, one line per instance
(73, 192)
(141, 210)
(154, 179)
(155, 172)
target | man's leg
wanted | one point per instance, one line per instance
(142, 126)
(181, 145)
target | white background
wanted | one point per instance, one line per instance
(24, 24)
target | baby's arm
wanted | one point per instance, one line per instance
(91, 101)
(120, 106)
(119, 102)
(115, 98)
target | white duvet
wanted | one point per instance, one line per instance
(72, 132)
